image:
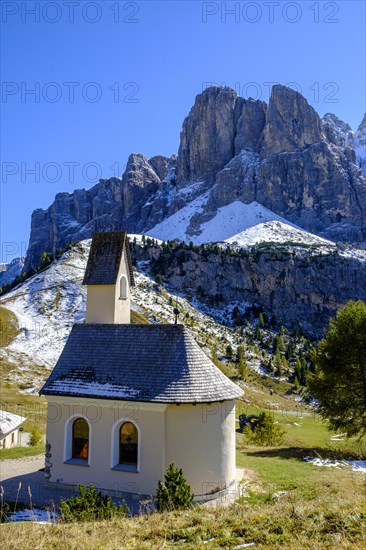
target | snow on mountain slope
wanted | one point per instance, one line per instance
(237, 223)
(46, 306)
(176, 226)
(235, 218)
(276, 232)
(49, 303)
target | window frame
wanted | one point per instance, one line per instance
(123, 287)
(69, 442)
(115, 447)
(73, 442)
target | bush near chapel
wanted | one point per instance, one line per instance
(89, 505)
(174, 493)
(265, 432)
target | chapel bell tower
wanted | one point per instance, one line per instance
(109, 278)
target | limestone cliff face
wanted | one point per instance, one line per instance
(291, 123)
(110, 205)
(318, 188)
(304, 285)
(219, 126)
(282, 155)
(208, 136)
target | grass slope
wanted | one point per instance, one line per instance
(21, 452)
(34, 408)
(8, 327)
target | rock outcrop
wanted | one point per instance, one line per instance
(291, 123)
(359, 145)
(110, 205)
(219, 126)
(8, 272)
(299, 285)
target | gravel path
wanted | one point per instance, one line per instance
(19, 466)
(23, 481)
(22, 476)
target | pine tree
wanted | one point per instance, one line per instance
(270, 365)
(174, 493)
(339, 384)
(297, 371)
(290, 350)
(242, 364)
(303, 375)
(159, 279)
(281, 343)
(229, 352)
(45, 260)
(236, 315)
(278, 363)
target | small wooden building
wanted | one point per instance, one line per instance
(126, 400)
(9, 429)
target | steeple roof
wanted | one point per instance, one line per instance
(105, 258)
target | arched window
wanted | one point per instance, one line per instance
(80, 439)
(128, 444)
(123, 288)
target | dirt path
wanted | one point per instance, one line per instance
(20, 466)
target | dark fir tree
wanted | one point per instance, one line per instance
(339, 383)
(229, 352)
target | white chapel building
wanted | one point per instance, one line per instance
(124, 400)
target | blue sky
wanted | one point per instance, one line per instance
(114, 77)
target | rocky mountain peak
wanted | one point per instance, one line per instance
(359, 145)
(207, 137)
(219, 125)
(336, 131)
(161, 165)
(139, 171)
(291, 123)
(9, 271)
(362, 126)
(280, 155)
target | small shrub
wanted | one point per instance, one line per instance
(266, 431)
(36, 437)
(174, 493)
(90, 505)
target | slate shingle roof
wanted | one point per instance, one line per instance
(150, 363)
(105, 258)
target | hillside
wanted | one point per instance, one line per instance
(45, 307)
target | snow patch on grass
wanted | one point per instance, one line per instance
(356, 465)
